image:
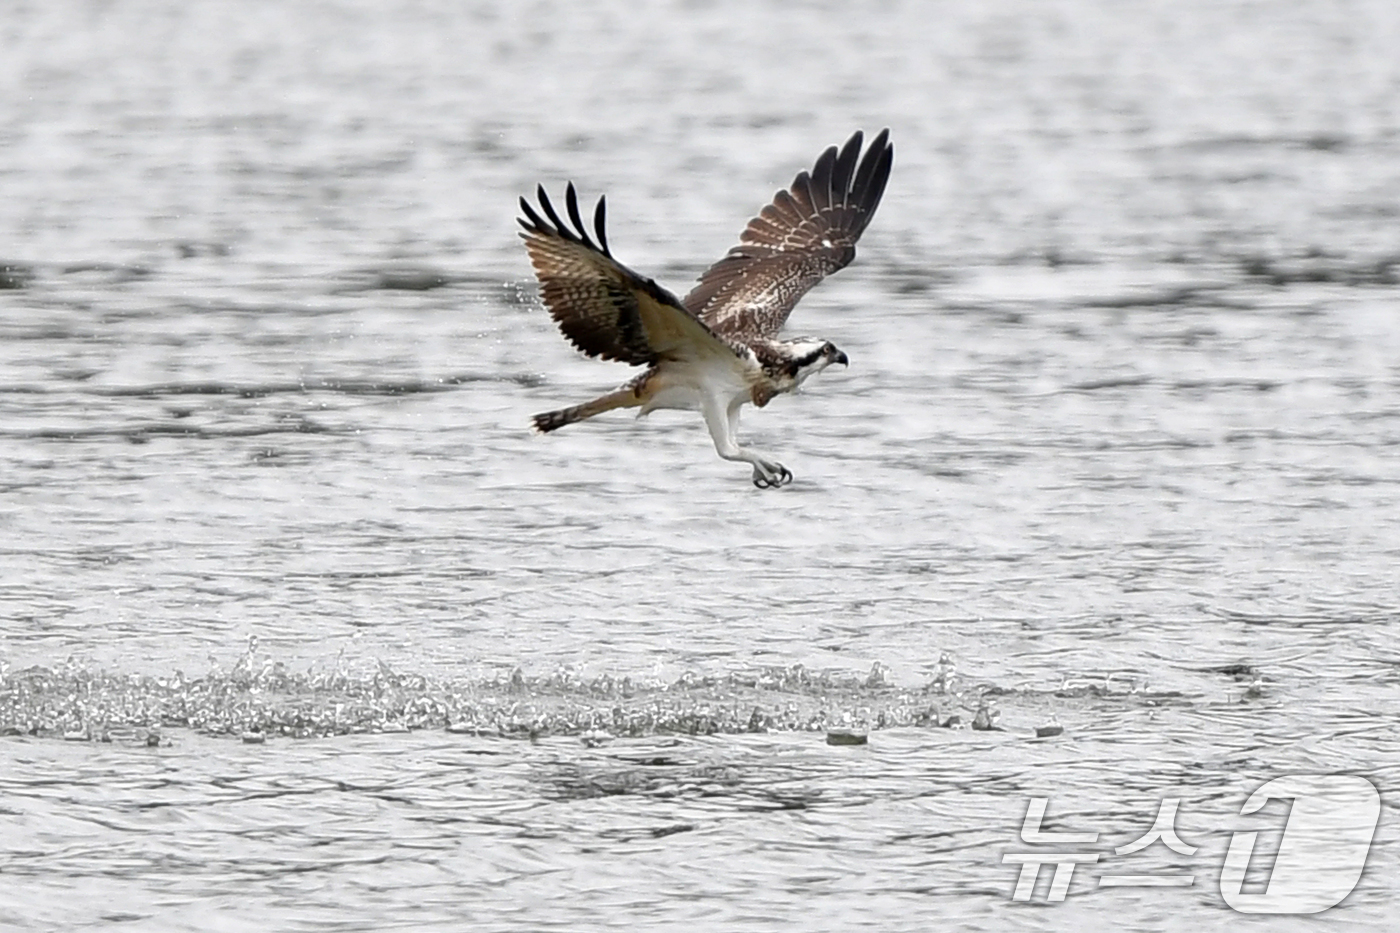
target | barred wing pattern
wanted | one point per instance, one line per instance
(808, 232)
(604, 308)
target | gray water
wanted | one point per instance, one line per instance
(1117, 451)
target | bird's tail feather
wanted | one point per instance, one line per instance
(554, 420)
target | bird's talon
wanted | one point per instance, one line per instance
(772, 479)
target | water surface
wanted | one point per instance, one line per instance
(1116, 451)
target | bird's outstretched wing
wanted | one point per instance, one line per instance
(807, 233)
(603, 307)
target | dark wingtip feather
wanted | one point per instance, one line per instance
(559, 227)
(599, 215)
(880, 179)
(534, 223)
(879, 154)
(571, 202)
(880, 142)
(821, 182)
(845, 166)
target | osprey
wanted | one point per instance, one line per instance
(718, 347)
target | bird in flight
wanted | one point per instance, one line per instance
(718, 347)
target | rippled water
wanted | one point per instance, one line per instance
(1116, 452)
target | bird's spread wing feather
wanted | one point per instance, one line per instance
(808, 232)
(603, 307)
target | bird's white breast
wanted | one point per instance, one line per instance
(681, 384)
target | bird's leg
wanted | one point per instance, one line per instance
(776, 474)
(723, 424)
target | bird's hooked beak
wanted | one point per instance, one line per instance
(841, 358)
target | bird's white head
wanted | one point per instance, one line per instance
(810, 357)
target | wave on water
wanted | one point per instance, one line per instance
(259, 696)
